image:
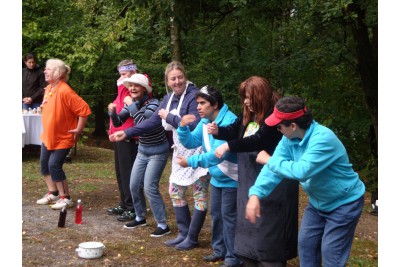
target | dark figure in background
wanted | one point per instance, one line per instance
(33, 83)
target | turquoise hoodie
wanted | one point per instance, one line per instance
(321, 164)
(223, 171)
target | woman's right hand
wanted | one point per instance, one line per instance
(253, 210)
(112, 107)
(163, 113)
(117, 136)
(221, 150)
(212, 128)
(181, 161)
(262, 157)
(187, 119)
(128, 100)
(27, 100)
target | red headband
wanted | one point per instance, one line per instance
(278, 116)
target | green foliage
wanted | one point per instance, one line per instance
(304, 48)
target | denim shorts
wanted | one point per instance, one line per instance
(51, 162)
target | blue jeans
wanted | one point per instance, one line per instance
(146, 173)
(223, 214)
(327, 236)
(52, 161)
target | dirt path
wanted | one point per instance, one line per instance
(44, 244)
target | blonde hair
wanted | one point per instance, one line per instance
(61, 70)
(173, 65)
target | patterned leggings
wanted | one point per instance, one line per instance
(199, 190)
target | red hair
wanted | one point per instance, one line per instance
(262, 99)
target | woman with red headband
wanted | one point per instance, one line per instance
(313, 155)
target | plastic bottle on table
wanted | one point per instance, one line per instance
(78, 212)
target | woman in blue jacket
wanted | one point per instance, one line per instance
(313, 155)
(223, 171)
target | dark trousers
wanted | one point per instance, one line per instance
(124, 155)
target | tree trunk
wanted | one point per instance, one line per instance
(367, 57)
(176, 36)
(367, 64)
(100, 119)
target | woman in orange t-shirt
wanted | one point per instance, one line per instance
(64, 116)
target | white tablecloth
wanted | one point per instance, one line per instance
(31, 129)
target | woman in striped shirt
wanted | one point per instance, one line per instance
(152, 154)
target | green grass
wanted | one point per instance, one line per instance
(91, 166)
(364, 253)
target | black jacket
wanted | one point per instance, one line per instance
(33, 84)
(274, 235)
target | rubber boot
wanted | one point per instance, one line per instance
(182, 217)
(191, 241)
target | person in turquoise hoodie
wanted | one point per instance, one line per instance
(313, 155)
(223, 171)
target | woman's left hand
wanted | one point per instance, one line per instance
(76, 133)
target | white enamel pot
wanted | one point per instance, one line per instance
(90, 250)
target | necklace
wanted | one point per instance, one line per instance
(47, 95)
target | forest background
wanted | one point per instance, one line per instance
(324, 51)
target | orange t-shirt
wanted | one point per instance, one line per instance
(60, 114)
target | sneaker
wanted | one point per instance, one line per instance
(48, 198)
(133, 224)
(126, 216)
(116, 211)
(160, 232)
(61, 203)
(213, 258)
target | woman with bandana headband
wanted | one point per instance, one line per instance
(125, 151)
(313, 155)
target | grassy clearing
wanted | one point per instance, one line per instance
(92, 172)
